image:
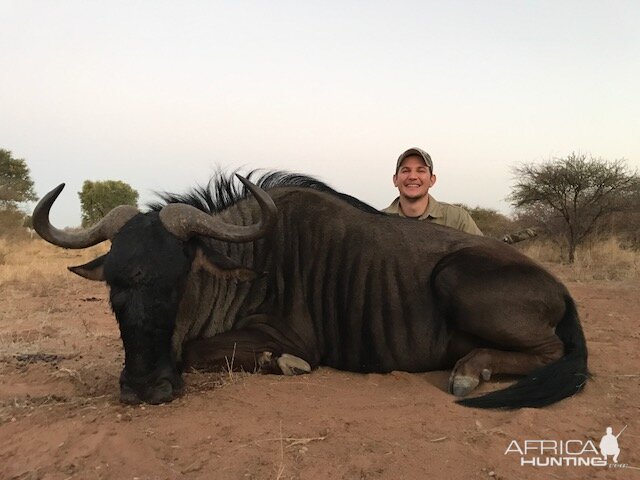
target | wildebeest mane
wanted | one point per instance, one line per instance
(223, 191)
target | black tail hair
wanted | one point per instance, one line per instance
(551, 383)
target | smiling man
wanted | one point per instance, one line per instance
(413, 179)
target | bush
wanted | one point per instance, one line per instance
(493, 223)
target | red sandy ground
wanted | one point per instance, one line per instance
(60, 417)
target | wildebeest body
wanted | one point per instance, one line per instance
(336, 283)
(335, 290)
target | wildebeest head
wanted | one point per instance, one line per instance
(146, 270)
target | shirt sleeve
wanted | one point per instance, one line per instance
(468, 225)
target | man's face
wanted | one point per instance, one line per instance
(414, 178)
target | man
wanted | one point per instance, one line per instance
(413, 179)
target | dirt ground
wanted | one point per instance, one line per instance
(60, 417)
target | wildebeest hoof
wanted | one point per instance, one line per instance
(265, 360)
(462, 385)
(292, 365)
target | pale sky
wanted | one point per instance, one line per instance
(157, 93)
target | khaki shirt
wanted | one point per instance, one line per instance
(442, 214)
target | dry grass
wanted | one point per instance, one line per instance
(600, 260)
(24, 342)
(35, 262)
(28, 269)
(228, 375)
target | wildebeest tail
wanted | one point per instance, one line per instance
(551, 383)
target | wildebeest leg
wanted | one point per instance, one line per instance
(482, 363)
(286, 364)
(246, 349)
(502, 318)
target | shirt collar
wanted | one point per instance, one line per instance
(434, 209)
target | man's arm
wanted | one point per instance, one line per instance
(467, 224)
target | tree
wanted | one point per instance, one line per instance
(99, 198)
(572, 195)
(16, 187)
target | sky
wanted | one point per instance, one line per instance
(160, 94)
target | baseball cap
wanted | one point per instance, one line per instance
(419, 153)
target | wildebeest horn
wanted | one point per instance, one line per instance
(185, 221)
(105, 229)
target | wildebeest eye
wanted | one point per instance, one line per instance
(136, 275)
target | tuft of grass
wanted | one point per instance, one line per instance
(227, 375)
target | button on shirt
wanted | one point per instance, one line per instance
(442, 214)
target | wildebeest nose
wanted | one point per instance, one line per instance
(128, 395)
(161, 392)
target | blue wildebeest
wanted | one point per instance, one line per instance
(298, 275)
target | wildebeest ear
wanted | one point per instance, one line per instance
(94, 270)
(220, 265)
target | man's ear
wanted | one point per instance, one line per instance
(433, 180)
(220, 265)
(395, 180)
(94, 270)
